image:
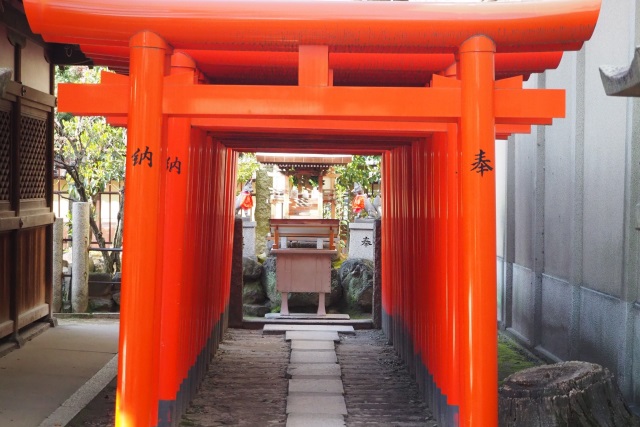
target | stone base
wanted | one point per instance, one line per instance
(361, 241)
(249, 239)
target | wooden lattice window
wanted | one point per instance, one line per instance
(33, 150)
(5, 141)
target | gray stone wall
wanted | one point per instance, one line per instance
(568, 262)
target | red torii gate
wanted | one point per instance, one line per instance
(437, 144)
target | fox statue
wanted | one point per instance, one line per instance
(244, 201)
(362, 203)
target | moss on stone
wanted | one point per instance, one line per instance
(513, 358)
(263, 208)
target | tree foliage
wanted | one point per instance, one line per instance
(247, 166)
(92, 153)
(362, 169)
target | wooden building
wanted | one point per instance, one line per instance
(26, 168)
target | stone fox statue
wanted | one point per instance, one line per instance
(244, 201)
(361, 203)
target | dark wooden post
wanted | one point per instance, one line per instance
(377, 274)
(235, 298)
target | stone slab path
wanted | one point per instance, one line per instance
(252, 381)
(316, 394)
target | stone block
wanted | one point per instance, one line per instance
(276, 329)
(249, 239)
(311, 336)
(315, 420)
(361, 241)
(357, 277)
(313, 316)
(101, 304)
(314, 404)
(314, 370)
(298, 356)
(100, 285)
(255, 310)
(251, 269)
(313, 385)
(312, 345)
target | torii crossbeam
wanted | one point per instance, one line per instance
(428, 85)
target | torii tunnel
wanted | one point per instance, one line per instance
(429, 86)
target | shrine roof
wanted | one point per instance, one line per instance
(302, 159)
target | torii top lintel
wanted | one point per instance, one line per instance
(344, 26)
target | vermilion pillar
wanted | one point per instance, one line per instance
(452, 281)
(479, 359)
(137, 396)
(175, 164)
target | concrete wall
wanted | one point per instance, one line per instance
(570, 254)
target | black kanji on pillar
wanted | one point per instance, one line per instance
(481, 165)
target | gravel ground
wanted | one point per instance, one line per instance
(246, 384)
(378, 388)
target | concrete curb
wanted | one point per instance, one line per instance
(87, 315)
(85, 394)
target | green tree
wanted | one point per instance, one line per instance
(247, 166)
(362, 169)
(93, 154)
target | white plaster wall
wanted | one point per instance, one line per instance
(35, 68)
(6, 50)
(604, 153)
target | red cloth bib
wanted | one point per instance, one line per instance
(358, 203)
(247, 202)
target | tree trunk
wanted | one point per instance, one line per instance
(564, 394)
(117, 237)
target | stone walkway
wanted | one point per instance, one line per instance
(316, 394)
(307, 378)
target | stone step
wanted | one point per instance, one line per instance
(280, 329)
(261, 322)
(311, 336)
(313, 385)
(298, 356)
(315, 420)
(314, 370)
(314, 404)
(312, 316)
(312, 345)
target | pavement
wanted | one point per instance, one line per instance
(316, 394)
(56, 373)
